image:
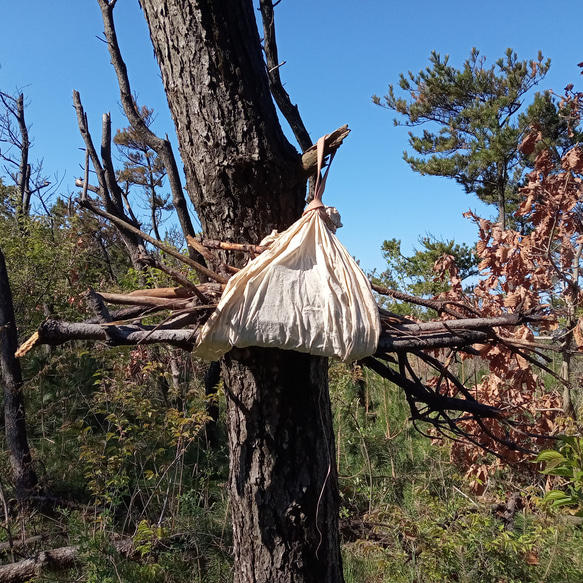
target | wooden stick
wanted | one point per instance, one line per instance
(331, 143)
(175, 275)
(148, 300)
(171, 293)
(124, 225)
(192, 242)
(244, 248)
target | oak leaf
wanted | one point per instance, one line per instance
(573, 160)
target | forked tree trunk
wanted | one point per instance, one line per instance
(243, 176)
(16, 438)
(245, 179)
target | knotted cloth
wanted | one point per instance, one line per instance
(304, 293)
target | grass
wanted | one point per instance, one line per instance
(407, 514)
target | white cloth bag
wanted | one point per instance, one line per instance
(304, 293)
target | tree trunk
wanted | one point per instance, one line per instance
(245, 180)
(243, 176)
(283, 482)
(16, 439)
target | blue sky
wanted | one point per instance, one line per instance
(338, 54)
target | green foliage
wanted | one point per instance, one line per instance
(143, 168)
(567, 464)
(449, 539)
(52, 259)
(415, 274)
(406, 515)
(137, 433)
(116, 430)
(475, 121)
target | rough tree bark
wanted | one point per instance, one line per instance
(245, 180)
(282, 482)
(25, 479)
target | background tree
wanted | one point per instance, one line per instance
(27, 177)
(25, 478)
(245, 179)
(143, 168)
(415, 274)
(475, 122)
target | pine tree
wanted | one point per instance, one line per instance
(475, 122)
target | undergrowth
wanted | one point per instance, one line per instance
(120, 443)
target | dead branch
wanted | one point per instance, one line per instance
(109, 191)
(213, 259)
(332, 142)
(149, 300)
(55, 333)
(121, 316)
(410, 336)
(400, 338)
(509, 320)
(435, 402)
(95, 303)
(454, 339)
(252, 250)
(280, 95)
(201, 269)
(56, 559)
(440, 306)
(162, 147)
(64, 558)
(507, 512)
(163, 292)
(180, 279)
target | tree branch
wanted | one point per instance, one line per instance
(201, 269)
(108, 190)
(280, 95)
(332, 142)
(162, 147)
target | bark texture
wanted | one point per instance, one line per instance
(245, 179)
(243, 176)
(283, 480)
(16, 438)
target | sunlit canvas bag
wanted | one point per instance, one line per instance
(305, 293)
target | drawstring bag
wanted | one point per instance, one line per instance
(304, 293)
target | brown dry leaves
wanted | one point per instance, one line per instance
(520, 272)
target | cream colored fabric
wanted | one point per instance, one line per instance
(304, 293)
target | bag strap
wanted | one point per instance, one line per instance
(317, 203)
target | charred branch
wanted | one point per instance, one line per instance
(332, 142)
(55, 333)
(432, 401)
(97, 306)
